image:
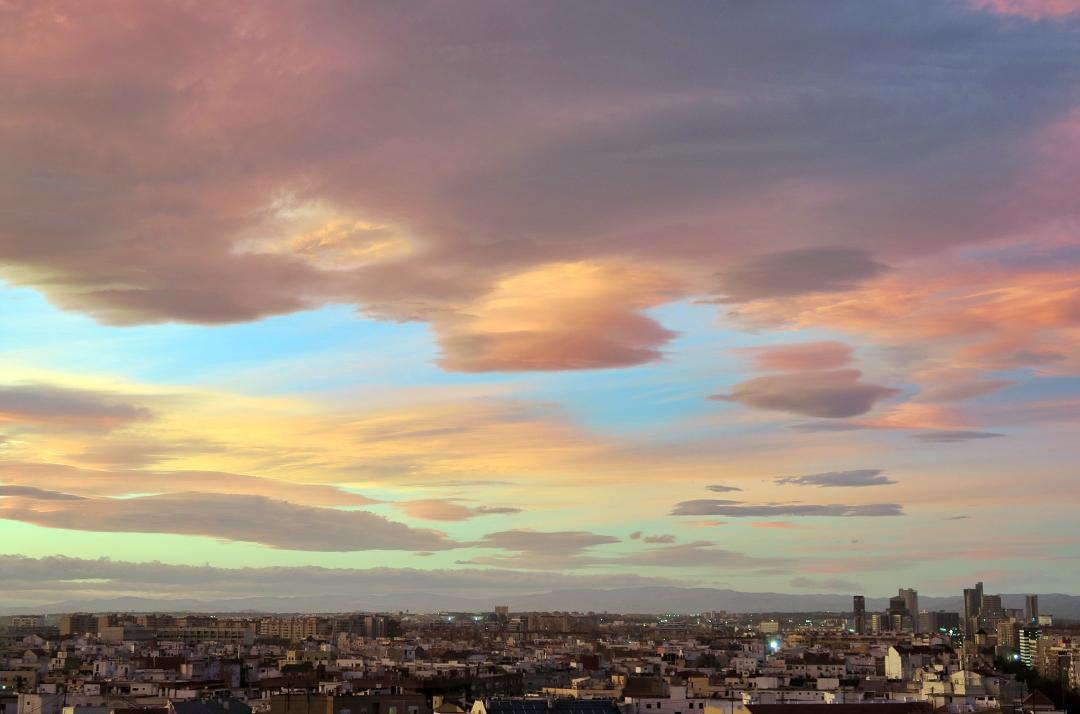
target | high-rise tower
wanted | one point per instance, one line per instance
(1031, 609)
(859, 606)
(972, 604)
(911, 600)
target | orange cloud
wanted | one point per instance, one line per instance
(971, 316)
(780, 525)
(922, 416)
(826, 354)
(562, 316)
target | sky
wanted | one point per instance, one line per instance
(471, 297)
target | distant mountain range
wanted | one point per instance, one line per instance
(626, 600)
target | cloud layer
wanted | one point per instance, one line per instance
(799, 272)
(168, 190)
(45, 405)
(947, 437)
(824, 354)
(37, 494)
(94, 482)
(48, 578)
(832, 394)
(834, 479)
(249, 518)
(443, 509)
(737, 509)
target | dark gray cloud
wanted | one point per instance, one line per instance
(856, 477)
(247, 518)
(536, 550)
(719, 488)
(570, 550)
(97, 482)
(950, 437)
(831, 394)
(59, 407)
(825, 426)
(799, 272)
(495, 510)
(37, 494)
(738, 509)
(557, 543)
(699, 554)
(53, 575)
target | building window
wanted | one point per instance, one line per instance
(393, 710)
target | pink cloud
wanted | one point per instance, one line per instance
(443, 509)
(1033, 9)
(973, 316)
(220, 164)
(826, 354)
(831, 394)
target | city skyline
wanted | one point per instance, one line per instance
(452, 297)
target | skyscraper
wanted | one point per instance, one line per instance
(992, 609)
(899, 617)
(1031, 609)
(940, 621)
(859, 606)
(911, 600)
(972, 604)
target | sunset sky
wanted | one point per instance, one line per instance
(528, 295)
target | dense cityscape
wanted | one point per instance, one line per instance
(987, 659)
(539, 357)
